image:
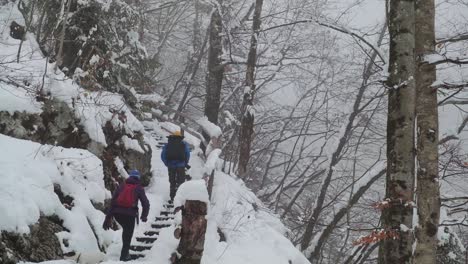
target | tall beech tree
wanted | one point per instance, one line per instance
(427, 183)
(398, 216)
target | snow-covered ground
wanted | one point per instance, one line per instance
(253, 234)
(29, 171)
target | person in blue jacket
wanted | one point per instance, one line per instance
(176, 155)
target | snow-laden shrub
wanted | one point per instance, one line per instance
(449, 250)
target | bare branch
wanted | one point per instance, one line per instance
(456, 38)
(447, 85)
(457, 61)
(334, 27)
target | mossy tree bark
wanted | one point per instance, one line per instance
(400, 134)
(427, 190)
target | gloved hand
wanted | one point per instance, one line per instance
(188, 167)
(144, 219)
(107, 223)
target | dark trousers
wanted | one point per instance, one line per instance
(128, 225)
(176, 178)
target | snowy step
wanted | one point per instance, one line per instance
(138, 243)
(147, 240)
(164, 218)
(166, 213)
(164, 222)
(169, 206)
(136, 256)
(159, 226)
(139, 248)
(151, 233)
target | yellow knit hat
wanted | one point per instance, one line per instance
(177, 133)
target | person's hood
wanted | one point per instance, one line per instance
(133, 180)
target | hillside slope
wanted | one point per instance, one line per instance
(52, 195)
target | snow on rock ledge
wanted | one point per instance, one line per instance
(17, 100)
(211, 129)
(132, 144)
(33, 169)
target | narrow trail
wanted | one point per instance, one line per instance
(142, 244)
(162, 210)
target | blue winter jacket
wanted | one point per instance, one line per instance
(176, 163)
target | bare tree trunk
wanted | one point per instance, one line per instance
(192, 238)
(247, 119)
(335, 159)
(323, 236)
(194, 69)
(400, 134)
(214, 78)
(28, 25)
(59, 60)
(195, 59)
(427, 187)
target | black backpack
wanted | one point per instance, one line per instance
(175, 149)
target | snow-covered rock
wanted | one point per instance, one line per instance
(28, 174)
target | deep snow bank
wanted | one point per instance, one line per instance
(253, 234)
(27, 177)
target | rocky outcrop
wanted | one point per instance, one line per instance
(56, 125)
(131, 158)
(40, 244)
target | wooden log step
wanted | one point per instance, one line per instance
(135, 256)
(159, 226)
(139, 248)
(147, 240)
(164, 218)
(166, 213)
(151, 233)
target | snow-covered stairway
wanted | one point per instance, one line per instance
(142, 244)
(156, 135)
